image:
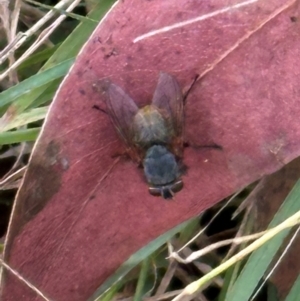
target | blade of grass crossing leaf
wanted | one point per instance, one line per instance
(19, 136)
(194, 286)
(259, 261)
(135, 259)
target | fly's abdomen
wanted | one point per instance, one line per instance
(150, 127)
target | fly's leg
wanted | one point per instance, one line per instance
(99, 109)
(213, 146)
(185, 95)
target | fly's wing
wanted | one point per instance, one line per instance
(169, 99)
(122, 109)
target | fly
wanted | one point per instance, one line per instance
(153, 134)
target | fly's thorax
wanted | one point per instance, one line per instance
(160, 166)
(150, 127)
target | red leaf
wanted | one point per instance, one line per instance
(81, 212)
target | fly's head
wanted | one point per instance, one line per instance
(166, 191)
(162, 172)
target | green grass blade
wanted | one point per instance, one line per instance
(74, 42)
(259, 261)
(28, 92)
(19, 136)
(35, 81)
(25, 118)
(141, 285)
(135, 259)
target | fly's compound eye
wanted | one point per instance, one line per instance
(168, 191)
(163, 191)
(155, 191)
(177, 186)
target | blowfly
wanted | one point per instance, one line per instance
(153, 134)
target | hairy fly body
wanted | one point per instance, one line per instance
(153, 133)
